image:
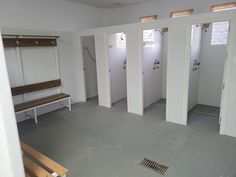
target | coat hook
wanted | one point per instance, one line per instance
(17, 42)
(36, 42)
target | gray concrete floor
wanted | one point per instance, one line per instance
(93, 141)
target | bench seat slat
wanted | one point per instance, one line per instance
(34, 168)
(38, 102)
(29, 173)
(44, 160)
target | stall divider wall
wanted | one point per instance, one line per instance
(164, 63)
(134, 44)
(228, 111)
(104, 88)
(176, 73)
(178, 62)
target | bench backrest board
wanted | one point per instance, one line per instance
(35, 87)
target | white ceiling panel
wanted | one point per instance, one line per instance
(110, 3)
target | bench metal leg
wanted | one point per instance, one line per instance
(35, 116)
(69, 104)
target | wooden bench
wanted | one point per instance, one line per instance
(37, 103)
(38, 165)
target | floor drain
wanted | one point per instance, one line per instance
(154, 166)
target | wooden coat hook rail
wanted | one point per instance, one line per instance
(29, 41)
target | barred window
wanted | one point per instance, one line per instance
(219, 34)
(120, 40)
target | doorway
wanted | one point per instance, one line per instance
(206, 73)
(118, 68)
(90, 70)
(155, 71)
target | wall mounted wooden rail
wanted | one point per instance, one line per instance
(223, 6)
(165, 30)
(35, 87)
(148, 18)
(28, 42)
(180, 13)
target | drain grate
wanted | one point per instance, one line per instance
(154, 166)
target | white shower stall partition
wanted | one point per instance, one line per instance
(164, 63)
(117, 59)
(152, 58)
(196, 38)
(89, 56)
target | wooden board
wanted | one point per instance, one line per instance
(35, 87)
(44, 160)
(29, 42)
(180, 13)
(29, 173)
(38, 102)
(223, 6)
(34, 168)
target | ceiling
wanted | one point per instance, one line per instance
(110, 3)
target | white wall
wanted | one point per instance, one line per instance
(152, 78)
(50, 17)
(164, 62)
(59, 15)
(117, 59)
(131, 14)
(27, 66)
(194, 67)
(70, 74)
(89, 58)
(228, 111)
(10, 154)
(211, 71)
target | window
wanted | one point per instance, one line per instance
(181, 13)
(149, 38)
(120, 40)
(224, 6)
(148, 35)
(148, 18)
(219, 34)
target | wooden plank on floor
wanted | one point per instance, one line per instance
(44, 160)
(34, 168)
